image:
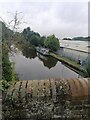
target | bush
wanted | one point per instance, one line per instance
(52, 43)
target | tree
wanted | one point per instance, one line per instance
(12, 25)
(32, 37)
(9, 34)
(41, 41)
(34, 40)
(52, 43)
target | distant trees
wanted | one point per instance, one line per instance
(82, 38)
(87, 38)
(66, 38)
(42, 39)
(31, 36)
(52, 43)
(35, 39)
(78, 38)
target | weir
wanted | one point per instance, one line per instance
(50, 99)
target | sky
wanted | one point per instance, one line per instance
(60, 17)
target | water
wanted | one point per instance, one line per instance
(30, 65)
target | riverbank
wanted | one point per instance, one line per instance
(71, 64)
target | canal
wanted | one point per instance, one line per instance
(29, 65)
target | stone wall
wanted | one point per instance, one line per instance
(52, 99)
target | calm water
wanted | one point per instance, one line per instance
(31, 65)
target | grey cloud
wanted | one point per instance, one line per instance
(66, 19)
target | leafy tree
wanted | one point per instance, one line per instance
(36, 34)
(28, 29)
(52, 43)
(41, 41)
(34, 40)
(31, 36)
(24, 32)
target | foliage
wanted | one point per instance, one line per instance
(41, 41)
(32, 37)
(8, 73)
(34, 40)
(6, 65)
(82, 38)
(66, 38)
(52, 43)
(5, 85)
(78, 38)
(6, 33)
(87, 67)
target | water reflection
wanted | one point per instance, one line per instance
(47, 61)
(29, 52)
(29, 65)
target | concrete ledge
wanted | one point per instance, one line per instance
(51, 99)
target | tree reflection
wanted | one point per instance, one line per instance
(49, 62)
(29, 52)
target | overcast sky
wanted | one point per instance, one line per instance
(64, 19)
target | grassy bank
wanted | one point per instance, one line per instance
(70, 63)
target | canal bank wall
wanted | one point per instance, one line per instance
(51, 99)
(70, 63)
(74, 54)
(75, 49)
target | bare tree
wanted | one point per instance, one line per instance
(13, 24)
(16, 21)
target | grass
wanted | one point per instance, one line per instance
(70, 63)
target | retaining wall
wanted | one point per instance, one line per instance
(51, 99)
